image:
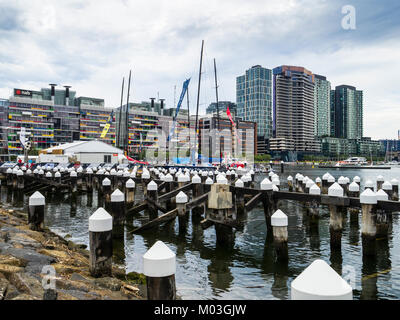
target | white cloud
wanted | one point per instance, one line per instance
(92, 44)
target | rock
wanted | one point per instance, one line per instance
(60, 255)
(11, 293)
(28, 255)
(109, 283)
(5, 268)
(73, 285)
(24, 297)
(65, 269)
(72, 246)
(3, 288)
(23, 240)
(62, 295)
(12, 261)
(27, 284)
(78, 277)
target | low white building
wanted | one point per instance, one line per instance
(93, 151)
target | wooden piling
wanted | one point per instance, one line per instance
(100, 242)
(181, 200)
(395, 189)
(336, 217)
(36, 211)
(159, 267)
(379, 182)
(118, 209)
(130, 193)
(106, 192)
(368, 201)
(152, 194)
(279, 222)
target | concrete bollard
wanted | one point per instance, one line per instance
(319, 281)
(159, 267)
(100, 242)
(379, 182)
(118, 210)
(181, 200)
(368, 201)
(336, 217)
(36, 211)
(106, 191)
(387, 187)
(130, 193)
(395, 189)
(382, 216)
(152, 194)
(279, 222)
(290, 183)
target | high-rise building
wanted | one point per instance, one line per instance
(222, 106)
(254, 99)
(322, 95)
(347, 108)
(294, 119)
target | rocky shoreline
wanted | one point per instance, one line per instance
(23, 254)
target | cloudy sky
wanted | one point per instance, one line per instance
(92, 44)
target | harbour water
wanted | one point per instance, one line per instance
(248, 270)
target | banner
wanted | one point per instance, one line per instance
(107, 126)
(228, 112)
(184, 88)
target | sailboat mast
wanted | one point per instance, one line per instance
(216, 97)
(198, 96)
(188, 108)
(126, 116)
(118, 144)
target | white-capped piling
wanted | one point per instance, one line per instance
(267, 188)
(299, 183)
(181, 200)
(9, 177)
(368, 201)
(159, 267)
(382, 215)
(312, 207)
(36, 211)
(279, 222)
(319, 281)
(117, 208)
(369, 185)
(239, 198)
(388, 188)
(20, 180)
(106, 192)
(290, 183)
(379, 182)
(354, 192)
(318, 182)
(208, 183)
(336, 217)
(152, 195)
(395, 189)
(100, 242)
(130, 193)
(342, 181)
(325, 183)
(331, 181)
(89, 180)
(57, 177)
(357, 180)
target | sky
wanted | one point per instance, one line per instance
(92, 44)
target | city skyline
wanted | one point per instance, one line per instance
(69, 46)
